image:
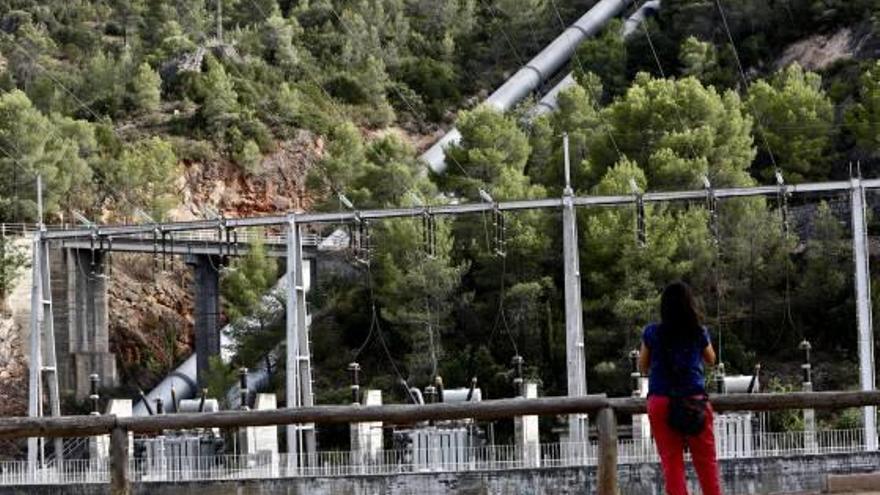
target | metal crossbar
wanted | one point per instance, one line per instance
(460, 209)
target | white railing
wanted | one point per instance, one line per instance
(242, 237)
(211, 236)
(24, 229)
(391, 462)
(68, 473)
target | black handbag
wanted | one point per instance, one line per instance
(687, 413)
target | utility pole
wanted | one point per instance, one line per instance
(35, 363)
(42, 354)
(863, 307)
(300, 438)
(574, 326)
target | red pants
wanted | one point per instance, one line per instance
(671, 444)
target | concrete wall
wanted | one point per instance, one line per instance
(741, 476)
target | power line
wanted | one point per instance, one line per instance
(400, 95)
(681, 121)
(16, 182)
(595, 98)
(329, 98)
(491, 9)
(82, 105)
(326, 176)
(56, 82)
(427, 254)
(742, 74)
(653, 50)
(378, 326)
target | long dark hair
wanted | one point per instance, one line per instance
(681, 318)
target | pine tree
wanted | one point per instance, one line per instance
(145, 89)
(142, 176)
(12, 260)
(493, 151)
(824, 291)
(36, 145)
(243, 287)
(219, 101)
(795, 117)
(416, 291)
(863, 119)
(578, 116)
(677, 131)
(604, 56)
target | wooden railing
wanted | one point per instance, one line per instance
(605, 409)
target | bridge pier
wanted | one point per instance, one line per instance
(206, 312)
(83, 335)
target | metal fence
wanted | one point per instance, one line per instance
(67, 473)
(242, 237)
(391, 462)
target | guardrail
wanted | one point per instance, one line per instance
(194, 238)
(605, 409)
(22, 229)
(241, 237)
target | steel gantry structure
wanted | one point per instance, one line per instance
(299, 372)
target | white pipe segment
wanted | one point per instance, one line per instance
(539, 69)
(184, 378)
(634, 21)
(549, 102)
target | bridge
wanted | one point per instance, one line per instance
(198, 243)
(80, 264)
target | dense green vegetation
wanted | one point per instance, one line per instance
(108, 100)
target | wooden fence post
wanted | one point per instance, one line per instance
(607, 471)
(119, 482)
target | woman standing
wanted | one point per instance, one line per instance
(672, 355)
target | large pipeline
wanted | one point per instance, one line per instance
(539, 69)
(548, 102)
(523, 83)
(544, 65)
(184, 380)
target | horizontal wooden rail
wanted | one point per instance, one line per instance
(391, 414)
(768, 402)
(65, 426)
(604, 408)
(73, 426)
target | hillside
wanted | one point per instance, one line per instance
(284, 105)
